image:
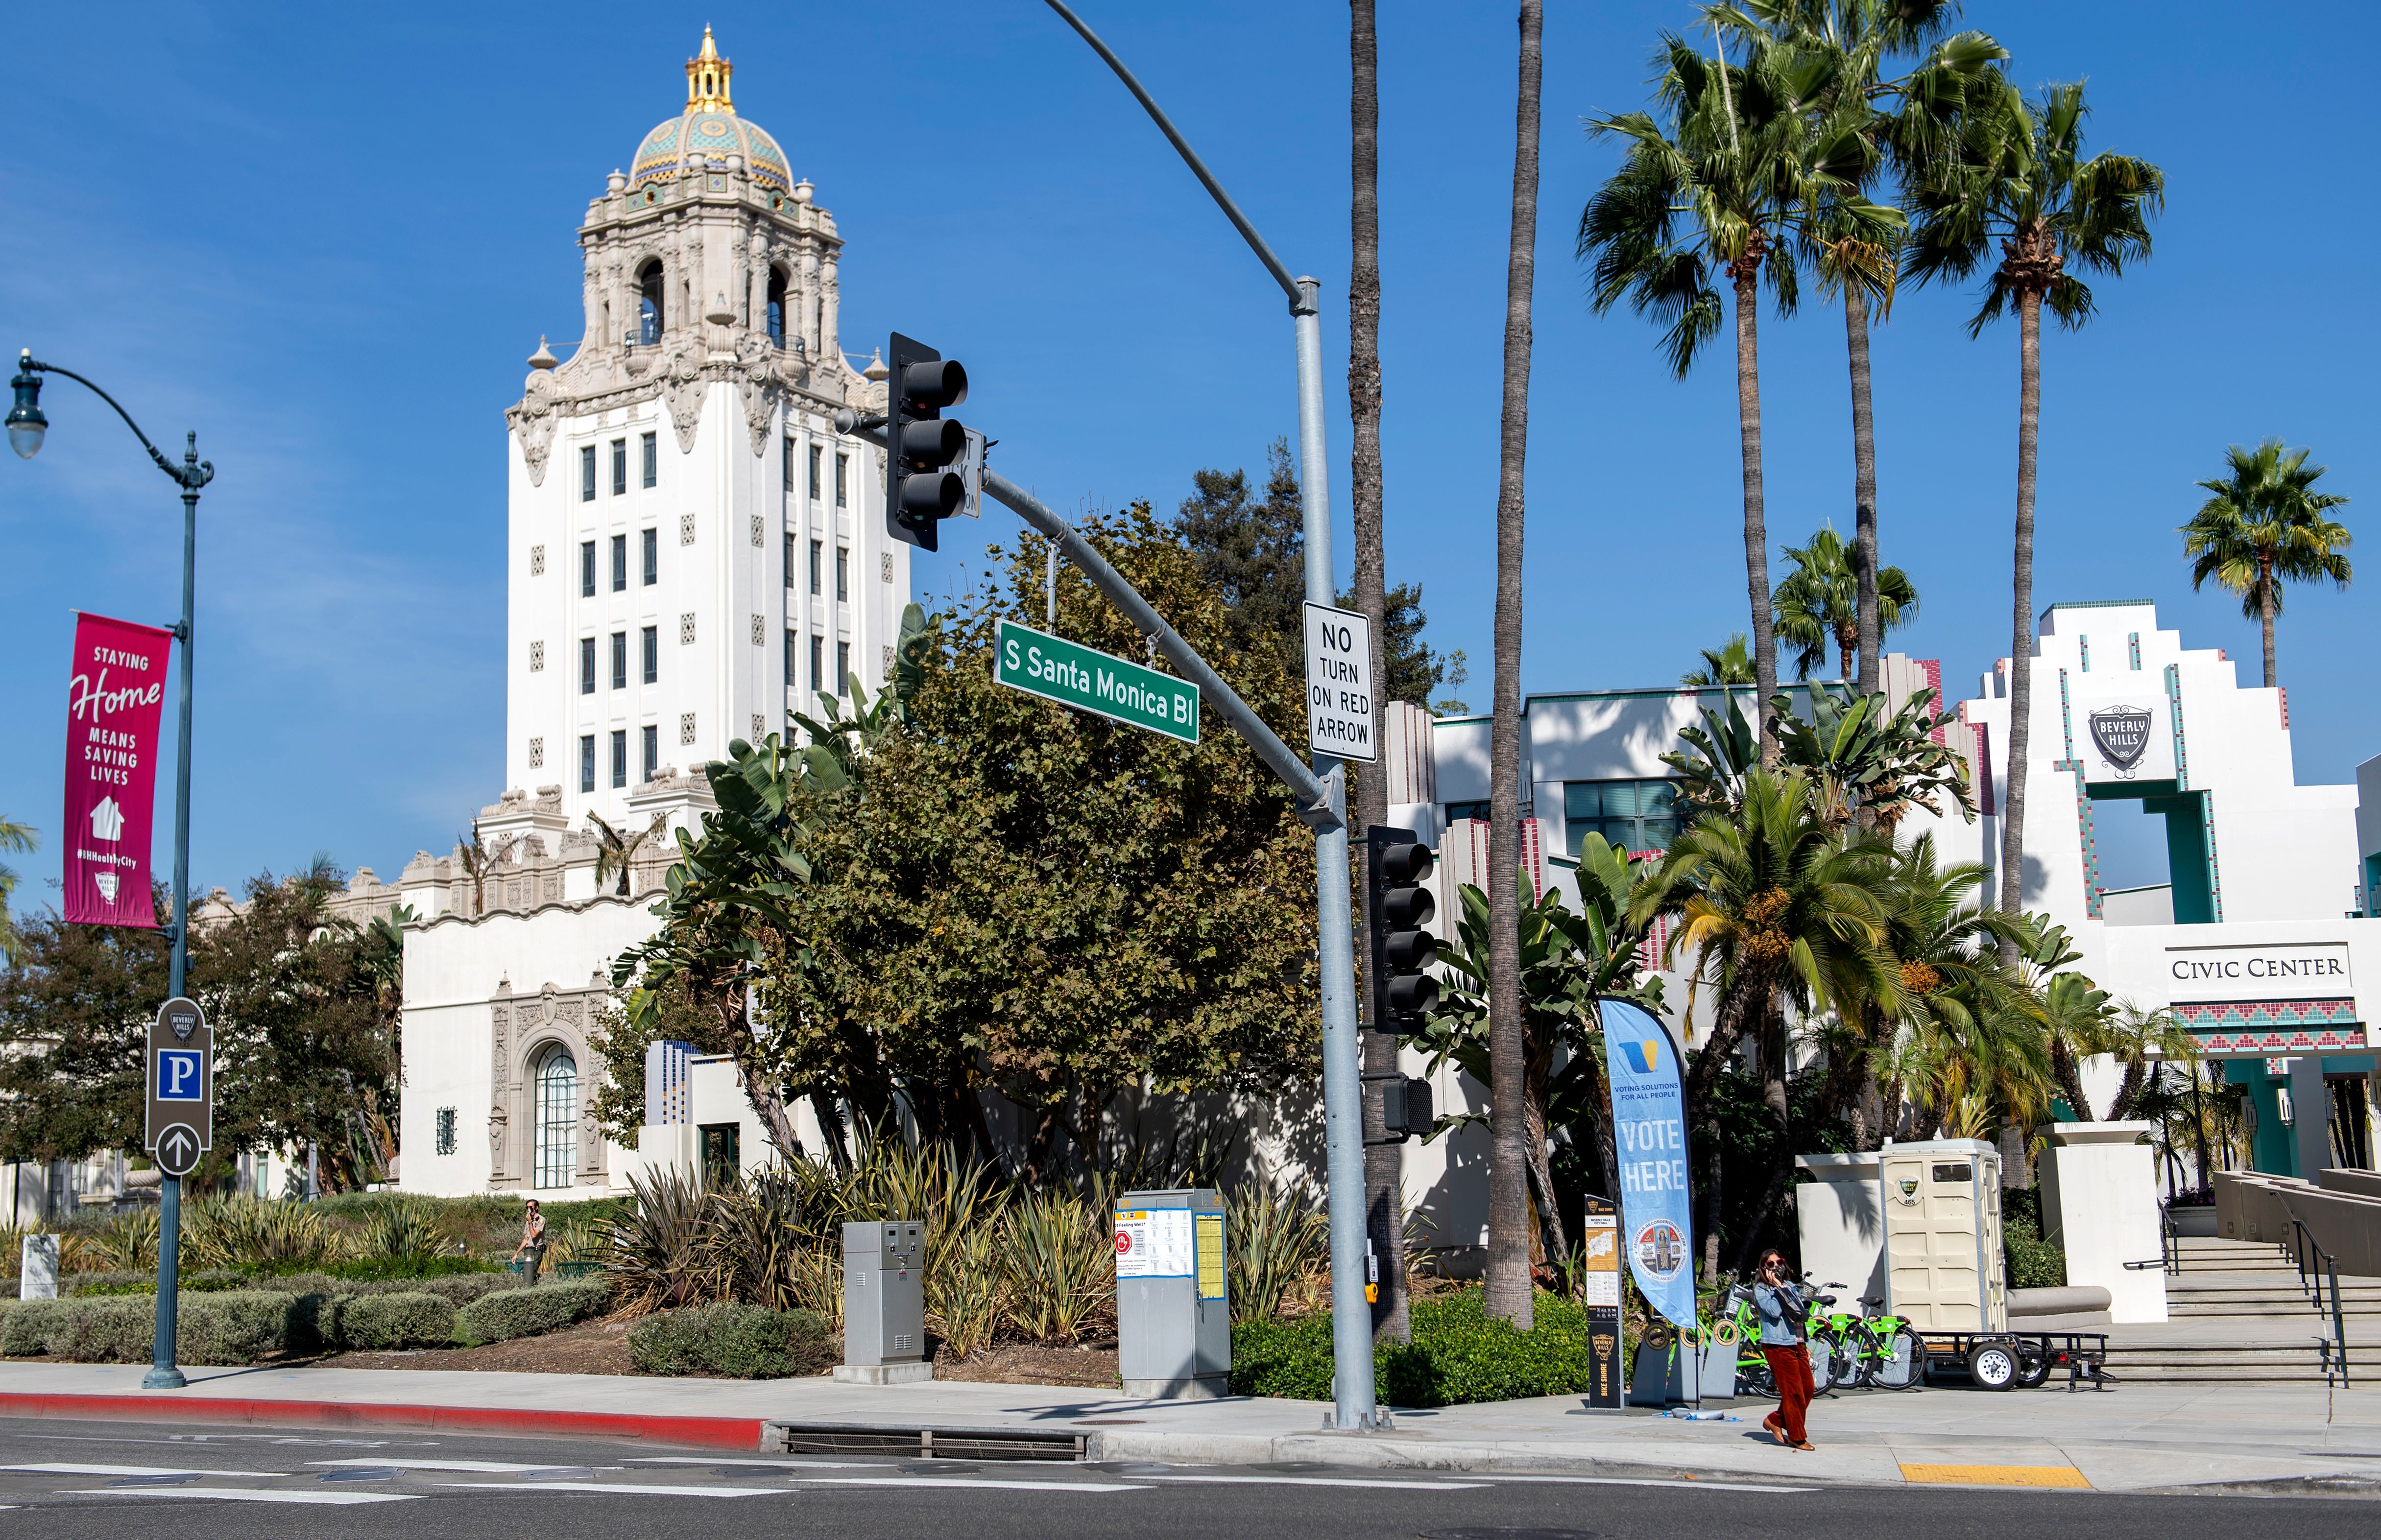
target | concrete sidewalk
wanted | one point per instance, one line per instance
(2285, 1438)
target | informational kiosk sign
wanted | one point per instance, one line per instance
(1076, 675)
(180, 1125)
(1600, 1279)
(1339, 715)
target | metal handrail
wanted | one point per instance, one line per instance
(2305, 1254)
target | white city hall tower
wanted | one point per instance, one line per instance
(693, 550)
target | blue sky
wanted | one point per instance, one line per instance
(327, 239)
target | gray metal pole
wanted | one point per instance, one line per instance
(1342, 1059)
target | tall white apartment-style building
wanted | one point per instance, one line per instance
(692, 553)
(692, 548)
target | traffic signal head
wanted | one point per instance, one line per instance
(1400, 909)
(921, 488)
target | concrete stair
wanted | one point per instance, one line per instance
(2239, 1313)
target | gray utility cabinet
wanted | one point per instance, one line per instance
(1174, 1316)
(883, 1291)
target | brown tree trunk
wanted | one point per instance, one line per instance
(1747, 274)
(2265, 614)
(2020, 736)
(759, 1089)
(1863, 484)
(1383, 1162)
(1508, 1295)
(1542, 1172)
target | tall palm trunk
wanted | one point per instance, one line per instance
(1746, 270)
(2028, 424)
(1863, 483)
(1508, 1295)
(2265, 612)
(1383, 1161)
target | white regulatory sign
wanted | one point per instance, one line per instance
(1340, 720)
(1154, 1243)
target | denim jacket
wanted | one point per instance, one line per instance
(1783, 1310)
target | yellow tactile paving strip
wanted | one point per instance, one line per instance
(1997, 1475)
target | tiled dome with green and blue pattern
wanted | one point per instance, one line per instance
(716, 134)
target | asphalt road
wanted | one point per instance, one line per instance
(133, 1481)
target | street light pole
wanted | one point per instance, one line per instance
(27, 429)
(1343, 1093)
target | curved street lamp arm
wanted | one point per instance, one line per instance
(1300, 303)
(191, 476)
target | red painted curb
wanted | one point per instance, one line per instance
(709, 1433)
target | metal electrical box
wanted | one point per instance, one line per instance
(1174, 1316)
(1941, 1201)
(883, 1292)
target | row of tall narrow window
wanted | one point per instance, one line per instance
(650, 445)
(650, 544)
(817, 468)
(818, 663)
(650, 744)
(650, 279)
(649, 639)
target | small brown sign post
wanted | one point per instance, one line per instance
(181, 1121)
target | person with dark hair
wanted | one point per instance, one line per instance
(1785, 1308)
(532, 1241)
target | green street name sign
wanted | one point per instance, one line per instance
(1072, 674)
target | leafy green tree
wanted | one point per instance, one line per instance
(1871, 762)
(1819, 602)
(1724, 186)
(1014, 897)
(1254, 550)
(1780, 914)
(76, 1001)
(2264, 526)
(2013, 184)
(1731, 663)
(18, 838)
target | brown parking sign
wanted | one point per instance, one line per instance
(181, 1121)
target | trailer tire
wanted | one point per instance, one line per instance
(1993, 1364)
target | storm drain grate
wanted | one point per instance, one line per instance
(925, 1443)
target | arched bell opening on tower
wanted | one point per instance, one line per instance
(649, 304)
(777, 307)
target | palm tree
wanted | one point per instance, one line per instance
(1383, 1160)
(1778, 914)
(1853, 245)
(2014, 181)
(2264, 527)
(1822, 602)
(18, 838)
(1508, 1295)
(1730, 664)
(1722, 186)
(615, 850)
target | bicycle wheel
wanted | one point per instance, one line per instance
(1900, 1361)
(1753, 1378)
(1835, 1362)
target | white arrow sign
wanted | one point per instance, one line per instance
(178, 1150)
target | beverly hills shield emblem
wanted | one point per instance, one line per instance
(2122, 734)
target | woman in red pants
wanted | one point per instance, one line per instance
(1785, 1308)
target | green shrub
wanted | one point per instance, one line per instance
(2033, 1262)
(735, 1341)
(226, 1327)
(457, 1289)
(413, 1265)
(24, 1330)
(1458, 1355)
(509, 1312)
(205, 1280)
(361, 1323)
(235, 1327)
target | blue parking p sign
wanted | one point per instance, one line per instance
(178, 1075)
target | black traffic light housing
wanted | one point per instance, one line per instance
(921, 487)
(1399, 911)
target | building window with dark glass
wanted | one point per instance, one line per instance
(652, 460)
(843, 575)
(818, 554)
(842, 477)
(842, 667)
(649, 304)
(587, 762)
(619, 563)
(619, 467)
(777, 314)
(619, 660)
(793, 677)
(791, 545)
(1632, 815)
(587, 569)
(620, 758)
(651, 638)
(815, 472)
(446, 1130)
(818, 664)
(586, 665)
(653, 751)
(652, 557)
(1457, 810)
(586, 473)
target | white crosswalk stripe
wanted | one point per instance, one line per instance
(974, 1481)
(68, 1468)
(245, 1494)
(617, 1486)
(484, 1467)
(1321, 1481)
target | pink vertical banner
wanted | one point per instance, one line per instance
(114, 701)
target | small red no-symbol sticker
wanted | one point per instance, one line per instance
(1124, 1242)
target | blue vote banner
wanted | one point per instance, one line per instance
(1649, 1133)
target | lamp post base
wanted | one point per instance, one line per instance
(162, 1379)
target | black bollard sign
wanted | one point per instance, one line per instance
(1600, 1273)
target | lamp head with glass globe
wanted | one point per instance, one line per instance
(25, 423)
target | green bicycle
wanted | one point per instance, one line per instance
(1871, 1349)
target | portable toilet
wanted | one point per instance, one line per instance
(1941, 1200)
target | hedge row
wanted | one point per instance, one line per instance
(735, 1341)
(235, 1327)
(1458, 1355)
(510, 1313)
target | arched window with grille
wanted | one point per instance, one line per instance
(649, 304)
(556, 1085)
(778, 307)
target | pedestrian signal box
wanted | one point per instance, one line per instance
(1174, 1316)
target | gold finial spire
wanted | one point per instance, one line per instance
(706, 78)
